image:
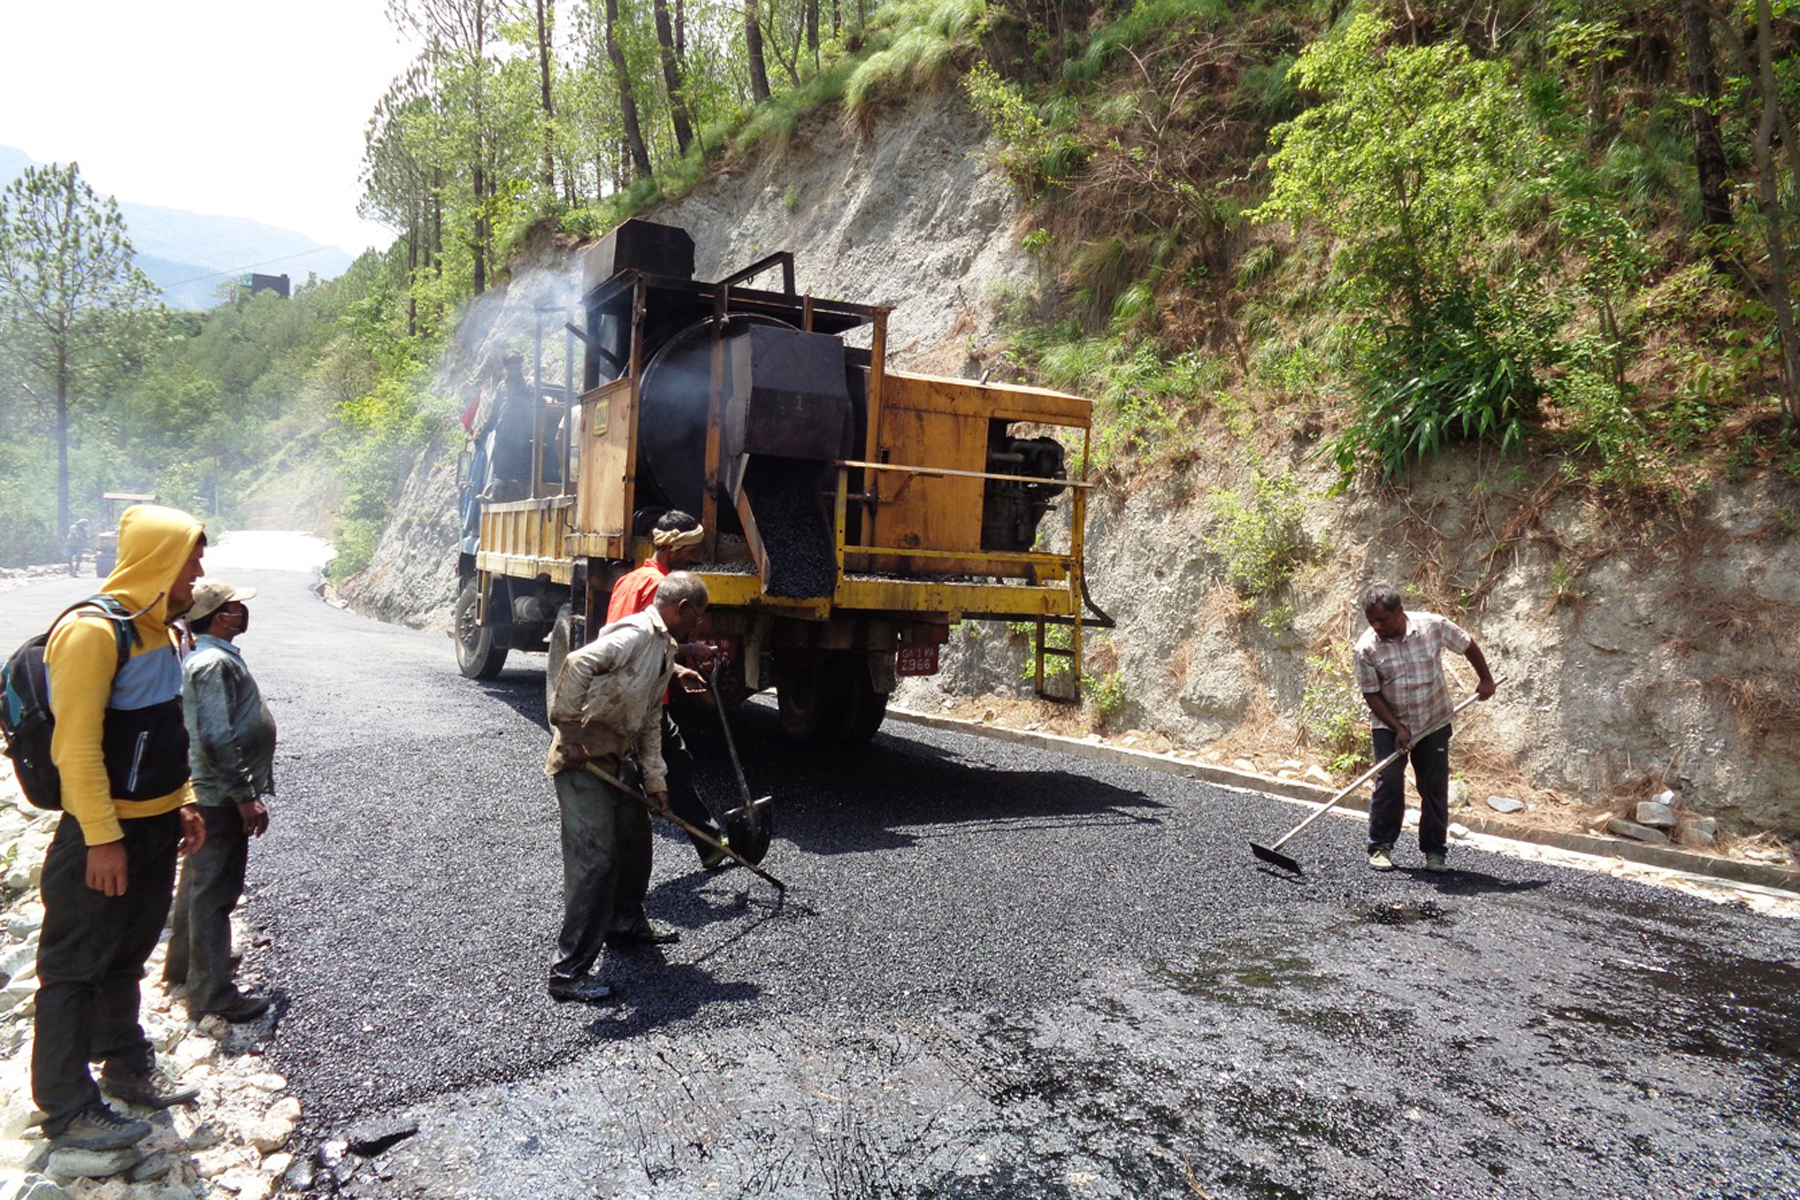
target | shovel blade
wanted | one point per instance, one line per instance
(747, 827)
(1277, 858)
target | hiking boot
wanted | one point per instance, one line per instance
(586, 990)
(650, 933)
(716, 859)
(245, 1008)
(1381, 858)
(98, 1127)
(146, 1091)
(1436, 862)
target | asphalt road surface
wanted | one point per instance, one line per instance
(998, 972)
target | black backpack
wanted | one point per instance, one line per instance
(25, 702)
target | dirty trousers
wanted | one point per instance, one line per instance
(91, 956)
(601, 827)
(1431, 775)
(212, 881)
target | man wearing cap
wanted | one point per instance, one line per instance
(231, 747)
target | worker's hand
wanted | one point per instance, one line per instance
(692, 682)
(1487, 687)
(1402, 738)
(193, 830)
(659, 803)
(106, 868)
(256, 817)
(697, 654)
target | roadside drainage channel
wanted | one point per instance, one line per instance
(1487, 833)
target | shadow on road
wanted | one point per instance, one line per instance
(656, 992)
(1459, 882)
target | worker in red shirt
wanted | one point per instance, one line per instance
(676, 538)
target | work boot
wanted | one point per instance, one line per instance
(716, 859)
(98, 1127)
(1381, 858)
(587, 990)
(1436, 862)
(245, 1007)
(153, 1090)
(649, 933)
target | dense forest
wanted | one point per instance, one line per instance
(1562, 226)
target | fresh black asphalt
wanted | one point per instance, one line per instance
(998, 971)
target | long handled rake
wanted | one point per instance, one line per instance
(1272, 854)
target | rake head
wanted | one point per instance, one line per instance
(1276, 858)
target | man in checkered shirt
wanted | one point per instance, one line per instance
(1401, 675)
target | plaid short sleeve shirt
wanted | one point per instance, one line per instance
(1409, 673)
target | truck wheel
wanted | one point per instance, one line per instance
(828, 696)
(476, 655)
(802, 694)
(561, 634)
(868, 711)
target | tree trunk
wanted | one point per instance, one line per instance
(546, 17)
(478, 242)
(753, 49)
(812, 32)
(1709, 147)
(634, 137)
(62, 434)
(1774, 221)
(671, 65)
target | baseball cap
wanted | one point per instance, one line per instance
(213, 594)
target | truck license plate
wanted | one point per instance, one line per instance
(916, 660)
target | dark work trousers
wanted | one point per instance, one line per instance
(212, 881)
(91, 955)
(1430, 757)
(684, 802)
(599, 822)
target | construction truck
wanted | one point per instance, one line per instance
(853, 513)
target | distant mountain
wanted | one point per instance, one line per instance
(190, 255)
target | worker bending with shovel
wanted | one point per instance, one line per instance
(608, 704)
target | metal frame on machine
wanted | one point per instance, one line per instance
(1045, 587)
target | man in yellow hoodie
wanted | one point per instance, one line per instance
(121, 750)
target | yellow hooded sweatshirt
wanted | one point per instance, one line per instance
(120, 745)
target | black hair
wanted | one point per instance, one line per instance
(204, 624)
(1382, 596)
(676, 521)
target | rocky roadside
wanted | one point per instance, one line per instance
(232, 1142)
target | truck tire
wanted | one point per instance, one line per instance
(561, 635)
(868, 711)
(827, 696)
(476, 654)
(802, 693)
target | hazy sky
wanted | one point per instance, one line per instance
(242, 108)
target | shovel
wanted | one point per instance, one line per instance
(638, 794)
(1272, 854)
(746, 826)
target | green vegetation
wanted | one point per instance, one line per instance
(1261, 541)
(1560, 228)
(1544, 227)
(1333, 720)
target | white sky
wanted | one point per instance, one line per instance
(162, 104)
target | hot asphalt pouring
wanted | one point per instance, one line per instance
(1004, 973)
